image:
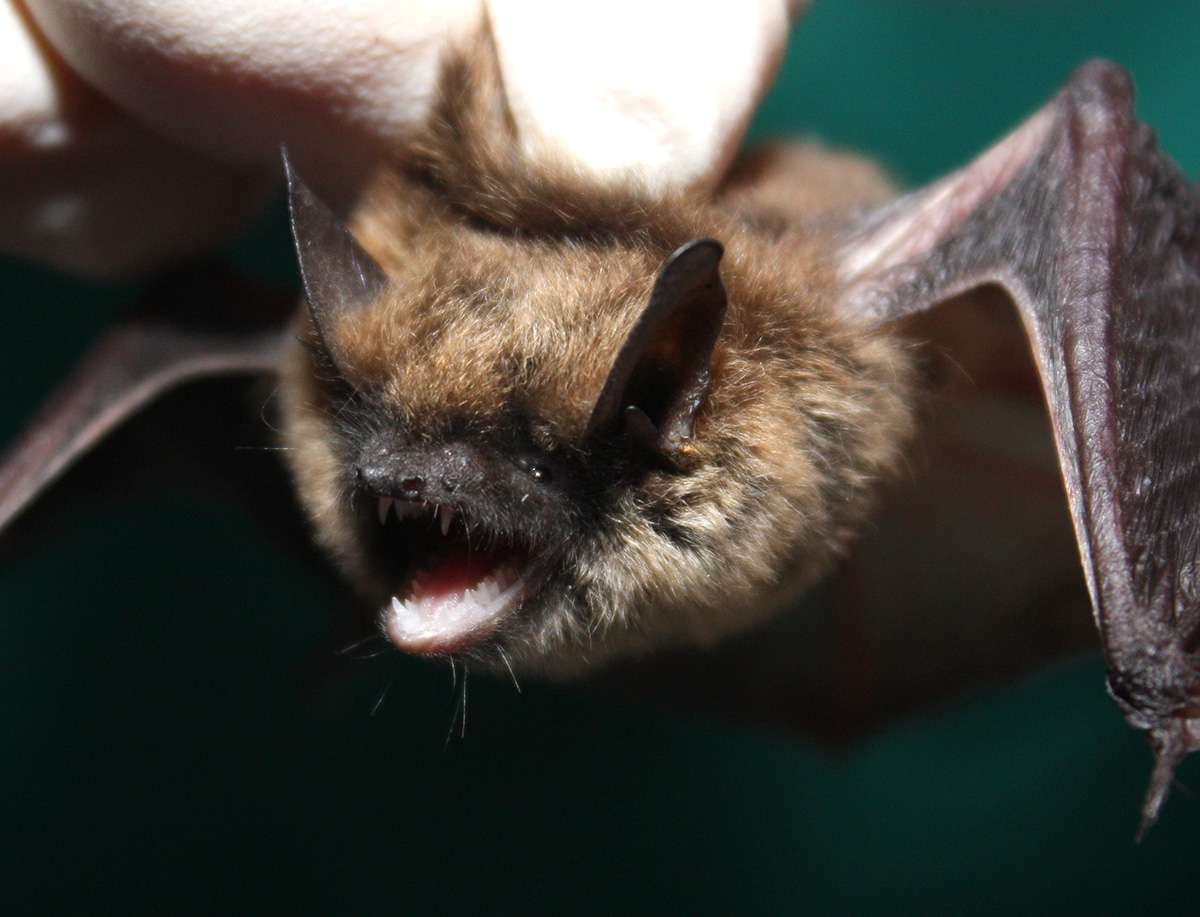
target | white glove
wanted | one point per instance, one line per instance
(135, 132)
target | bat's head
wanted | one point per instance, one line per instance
(539, 454)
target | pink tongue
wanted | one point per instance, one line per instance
(455, 570)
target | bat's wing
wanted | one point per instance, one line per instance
(199, 322)
(1095, 235)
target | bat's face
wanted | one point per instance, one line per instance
(539, 455)
(444, 452)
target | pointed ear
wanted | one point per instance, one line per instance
(661, 374)
(339, 276)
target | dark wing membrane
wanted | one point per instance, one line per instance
(1096, 236)
(198, 322)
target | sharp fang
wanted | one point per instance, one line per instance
(385, 504)
(446, 514)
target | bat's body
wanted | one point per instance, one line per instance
(541, 422)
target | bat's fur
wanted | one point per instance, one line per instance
(514, 281)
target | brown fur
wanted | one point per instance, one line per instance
(515, 281)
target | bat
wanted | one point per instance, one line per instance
(545, 423)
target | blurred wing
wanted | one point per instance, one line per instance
(195, 323)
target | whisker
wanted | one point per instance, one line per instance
(262, 411)
(462, 733)
(384, 694)
(350, 648)
(460, 710)
(508, 665)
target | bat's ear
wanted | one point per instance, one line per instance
(339, 276)
(661, 374)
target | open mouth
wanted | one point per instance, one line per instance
(460, 581)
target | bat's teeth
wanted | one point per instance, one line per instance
(486, 592)
(403, 613)
(504, 577)
(424, 622)
(385, 504)
(445, 514)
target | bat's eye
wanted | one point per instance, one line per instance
(537, 467)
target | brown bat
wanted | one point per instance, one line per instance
(545, 423)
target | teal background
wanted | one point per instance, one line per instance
(157, 753)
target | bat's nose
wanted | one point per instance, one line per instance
(420, 476)
(399, 483)
(412, 488)
(373, 479)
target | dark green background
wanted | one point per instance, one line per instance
(156, 754)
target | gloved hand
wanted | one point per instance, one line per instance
(136, 132)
